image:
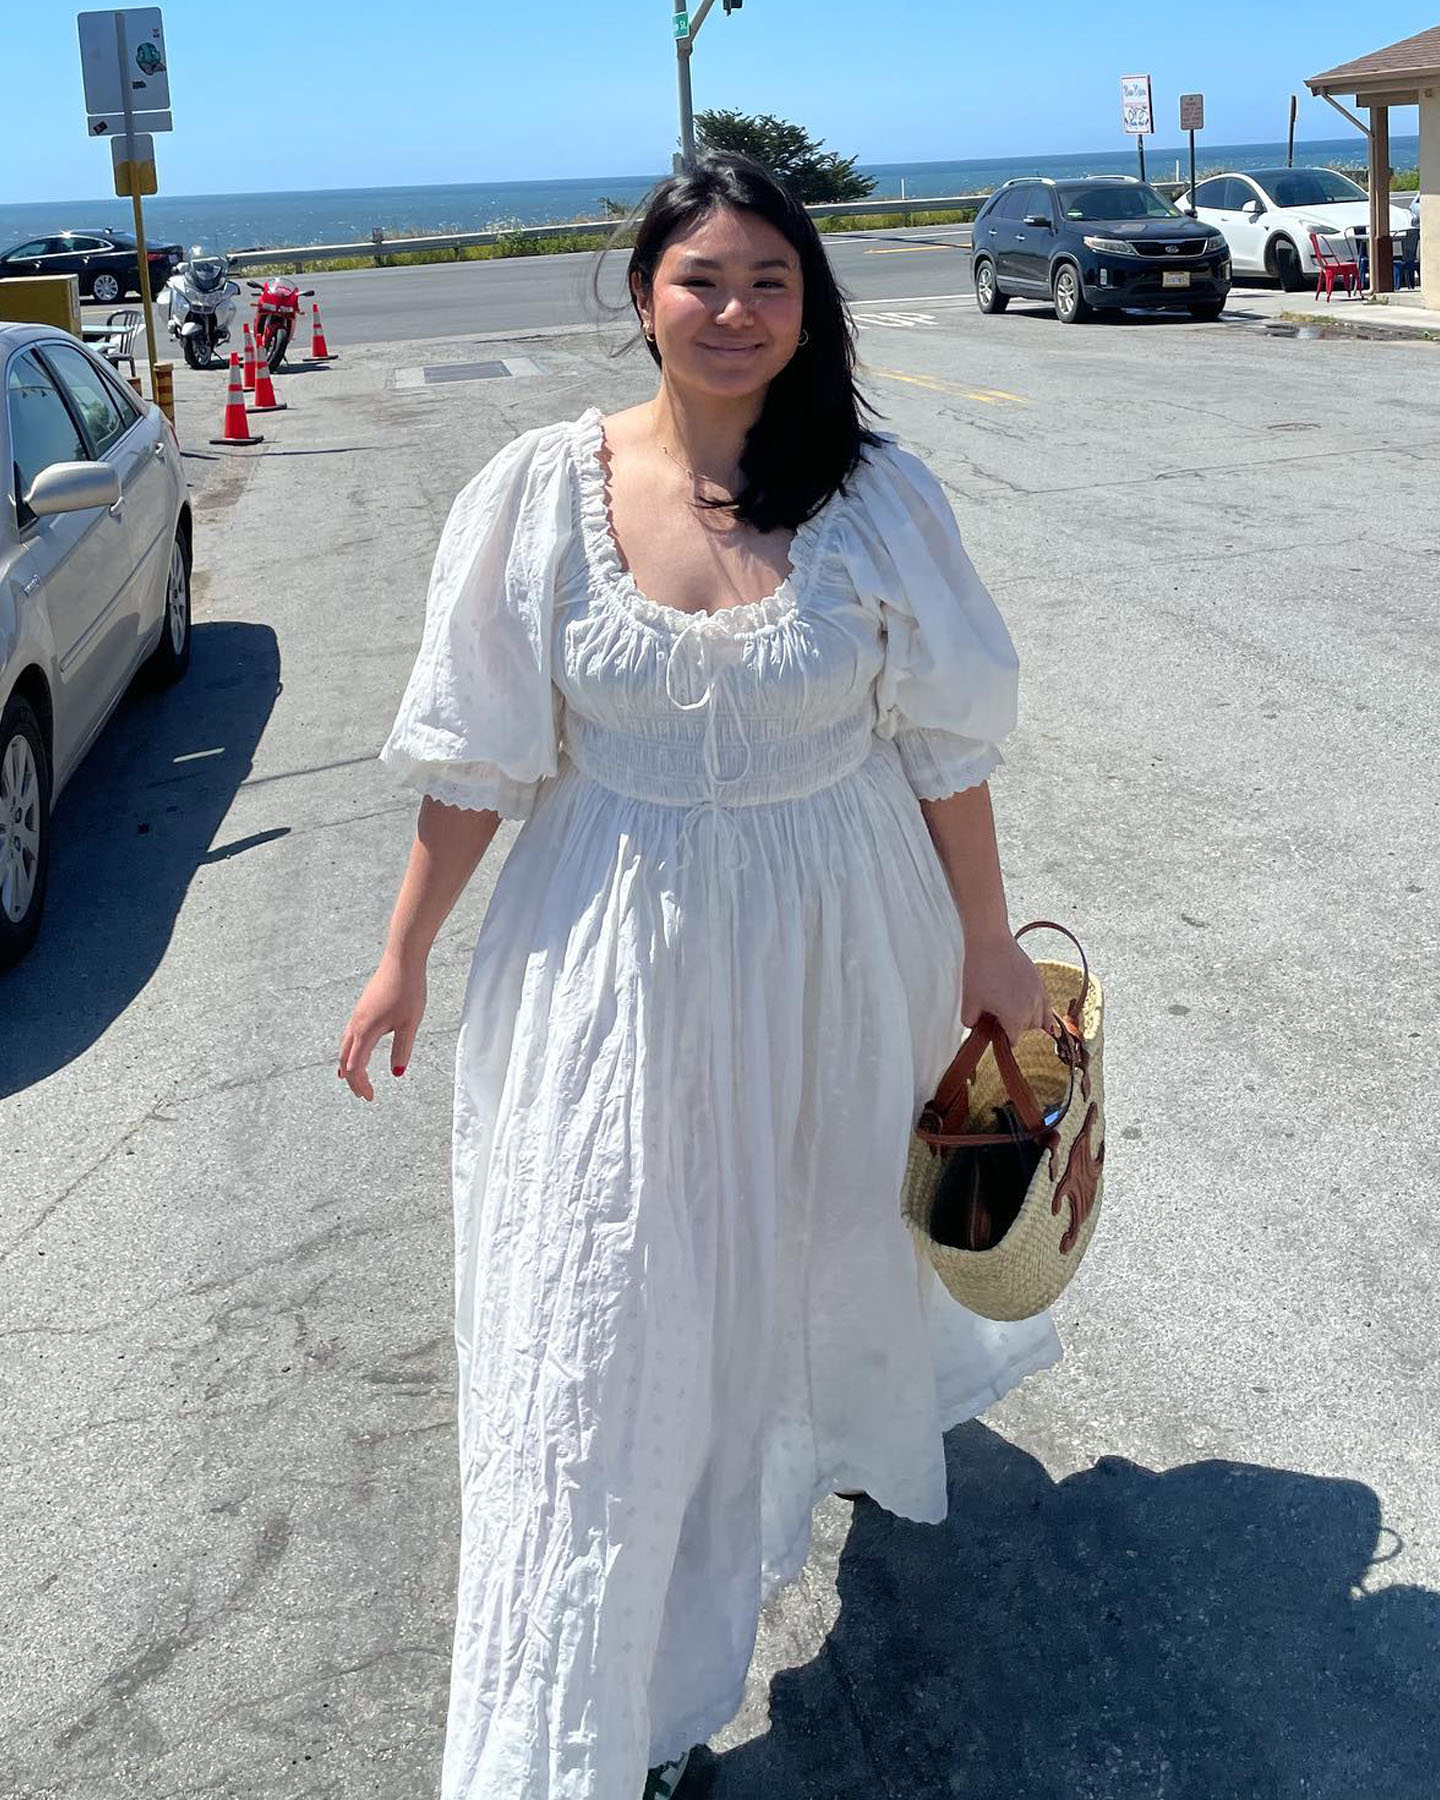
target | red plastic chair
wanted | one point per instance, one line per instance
(1333, 268)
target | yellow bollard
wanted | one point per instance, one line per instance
(165, 389)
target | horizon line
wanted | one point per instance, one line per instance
(932, 162)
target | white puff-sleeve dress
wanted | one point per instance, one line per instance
(719, 975)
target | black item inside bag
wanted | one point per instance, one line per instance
(982, 1187)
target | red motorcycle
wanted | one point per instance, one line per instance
(277, 312)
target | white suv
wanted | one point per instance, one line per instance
(1267, 216)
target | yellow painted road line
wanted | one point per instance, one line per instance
(917, 250)
(986, 396)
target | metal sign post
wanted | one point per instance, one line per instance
(1290, 150)
(686, 30)
(128, 163)
(1192, 119)
(1138, 112)
(127, 85)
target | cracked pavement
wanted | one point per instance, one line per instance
(1198, 1559)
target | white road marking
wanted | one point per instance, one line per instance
(894, 320)
(914, 299)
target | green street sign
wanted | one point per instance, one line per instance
(682, 24)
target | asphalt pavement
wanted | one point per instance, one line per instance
(381, 306)
(1199, 1561)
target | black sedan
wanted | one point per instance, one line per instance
(107, 262)
(1098, 244)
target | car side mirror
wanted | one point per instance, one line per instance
(72, 487)
(1252, 209)
(1040, 219)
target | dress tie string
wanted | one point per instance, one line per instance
(729, 853)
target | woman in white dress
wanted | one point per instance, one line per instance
(725, 656)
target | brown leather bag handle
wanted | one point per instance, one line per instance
(1050, 925)
(937, 1124)
(944, 1130)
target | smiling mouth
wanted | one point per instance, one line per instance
(731, 349)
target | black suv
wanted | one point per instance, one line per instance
(1106, 241)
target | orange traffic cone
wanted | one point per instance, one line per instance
(265, 400)
(236, 427)
(249, 375)
(318, 351)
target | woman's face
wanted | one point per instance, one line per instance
(726, 304)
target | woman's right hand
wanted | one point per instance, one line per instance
(394, 1002)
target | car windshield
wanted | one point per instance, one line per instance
(1308, 187)
(1112, 200)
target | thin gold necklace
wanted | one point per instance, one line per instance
(665, 450)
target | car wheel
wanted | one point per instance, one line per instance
(24, 828)
(1071, 306)
(1209, 310)
(105, 288)
(171, 656)
(987, 292)
(1284, 261)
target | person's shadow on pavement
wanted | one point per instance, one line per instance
(1201, 1634)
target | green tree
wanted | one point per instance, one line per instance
(787, 151)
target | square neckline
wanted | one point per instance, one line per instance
(604, 555)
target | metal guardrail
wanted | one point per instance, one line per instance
(380, 248)
(837, 209)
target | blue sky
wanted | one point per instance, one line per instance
(359, 93)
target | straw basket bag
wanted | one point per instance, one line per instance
(1002, 1185)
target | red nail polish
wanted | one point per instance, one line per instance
(399, 1071)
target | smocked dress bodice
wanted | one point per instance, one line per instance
(540, 647)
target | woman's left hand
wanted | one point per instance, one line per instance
(1001, 980)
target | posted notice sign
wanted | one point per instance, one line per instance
(122, 57)
(1135, 105)
(134, 160)
(1192, 112)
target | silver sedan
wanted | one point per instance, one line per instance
(95, 558)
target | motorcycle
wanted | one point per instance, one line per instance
(201, 300)
(277, 312)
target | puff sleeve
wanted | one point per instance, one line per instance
(479, 724)
(948, 689)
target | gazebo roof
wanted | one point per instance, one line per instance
(1390, 77)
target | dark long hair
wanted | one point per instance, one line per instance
(809, 435)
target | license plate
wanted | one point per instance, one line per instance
(1175, 278)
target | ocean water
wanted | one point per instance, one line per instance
(346, 215)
